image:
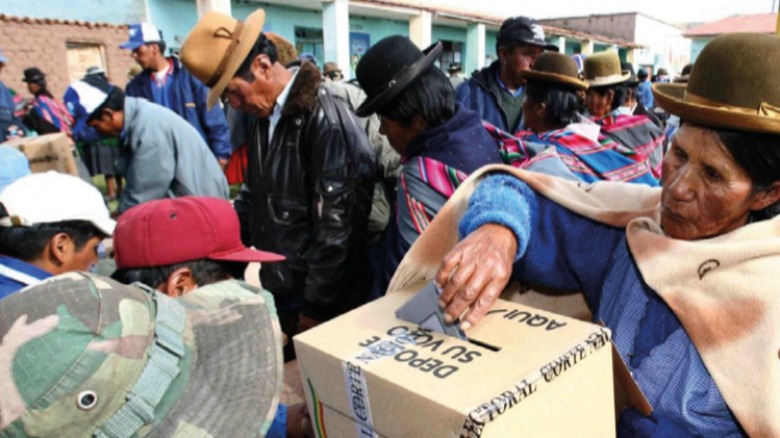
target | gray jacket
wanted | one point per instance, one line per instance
(163, 156)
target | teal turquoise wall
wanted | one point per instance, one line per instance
(490, 44)
(573, 47)
(378, 28)
(696, 45)
(105, 11)
(174, 18)
(448, 33)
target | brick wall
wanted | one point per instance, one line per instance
(42, 43)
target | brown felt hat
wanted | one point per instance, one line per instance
(557, 68)
(284, 48)
(217, 46)
(733, 85)
(604, 69)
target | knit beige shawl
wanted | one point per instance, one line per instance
(725, 290)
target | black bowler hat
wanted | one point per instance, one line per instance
(388, 67)
(632, 80)
(33, 75)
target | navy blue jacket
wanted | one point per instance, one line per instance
(188, 100)
(480, 94)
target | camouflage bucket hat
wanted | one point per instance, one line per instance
(82, 355)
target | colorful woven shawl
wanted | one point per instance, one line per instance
(588, 160)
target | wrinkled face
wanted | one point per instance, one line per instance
(705, 192)
(255, 98)
(397, 134)
(598, 105)
(145, 55)
(520, 59)
(82, 259)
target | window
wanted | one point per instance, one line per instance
(309, 40)
(81, 56)
(452, 52)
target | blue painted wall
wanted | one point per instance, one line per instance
(697, 44)
(105, 11)
(573, 47)
(378, 28)
(490, 44)
(448, 33)
(175, 18)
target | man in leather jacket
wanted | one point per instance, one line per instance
(310, 177)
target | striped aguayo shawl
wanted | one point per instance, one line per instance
(642, 139)
(587, 159)
(723, 289)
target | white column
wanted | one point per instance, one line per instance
(475, 48)
(587, 47)
(335, 33)
(420, 29)
(221, 6)
(561, 44)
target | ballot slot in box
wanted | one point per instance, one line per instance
(520, 372)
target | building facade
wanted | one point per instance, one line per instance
(703, 34)
(332, 30)
(662, 44)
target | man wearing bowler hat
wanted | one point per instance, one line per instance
(496, 92)
(310, 178)
(440, 141)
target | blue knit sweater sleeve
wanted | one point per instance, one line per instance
(557, 248)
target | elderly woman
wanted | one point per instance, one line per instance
(685, 276)
(550, 111)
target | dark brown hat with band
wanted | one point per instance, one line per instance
(219, 34)
(733, 85)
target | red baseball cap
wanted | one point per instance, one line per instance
(178, 230)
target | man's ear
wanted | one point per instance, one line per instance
(179, 282)
(261, 66)
(541, 110)
(502, 54)
(610, 97)
(767, 197)
(61, 247)
(419, 124)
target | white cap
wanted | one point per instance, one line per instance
(49, 197)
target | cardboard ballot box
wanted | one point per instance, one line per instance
(523, 372)
(47, 152)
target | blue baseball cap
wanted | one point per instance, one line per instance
(140, 34)
(90, 93)
(13, 165)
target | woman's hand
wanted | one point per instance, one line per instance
(475, 272)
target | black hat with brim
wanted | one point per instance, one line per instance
(388, 67)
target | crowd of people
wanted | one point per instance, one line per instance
(655, 199)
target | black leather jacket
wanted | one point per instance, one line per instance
(308, 196)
